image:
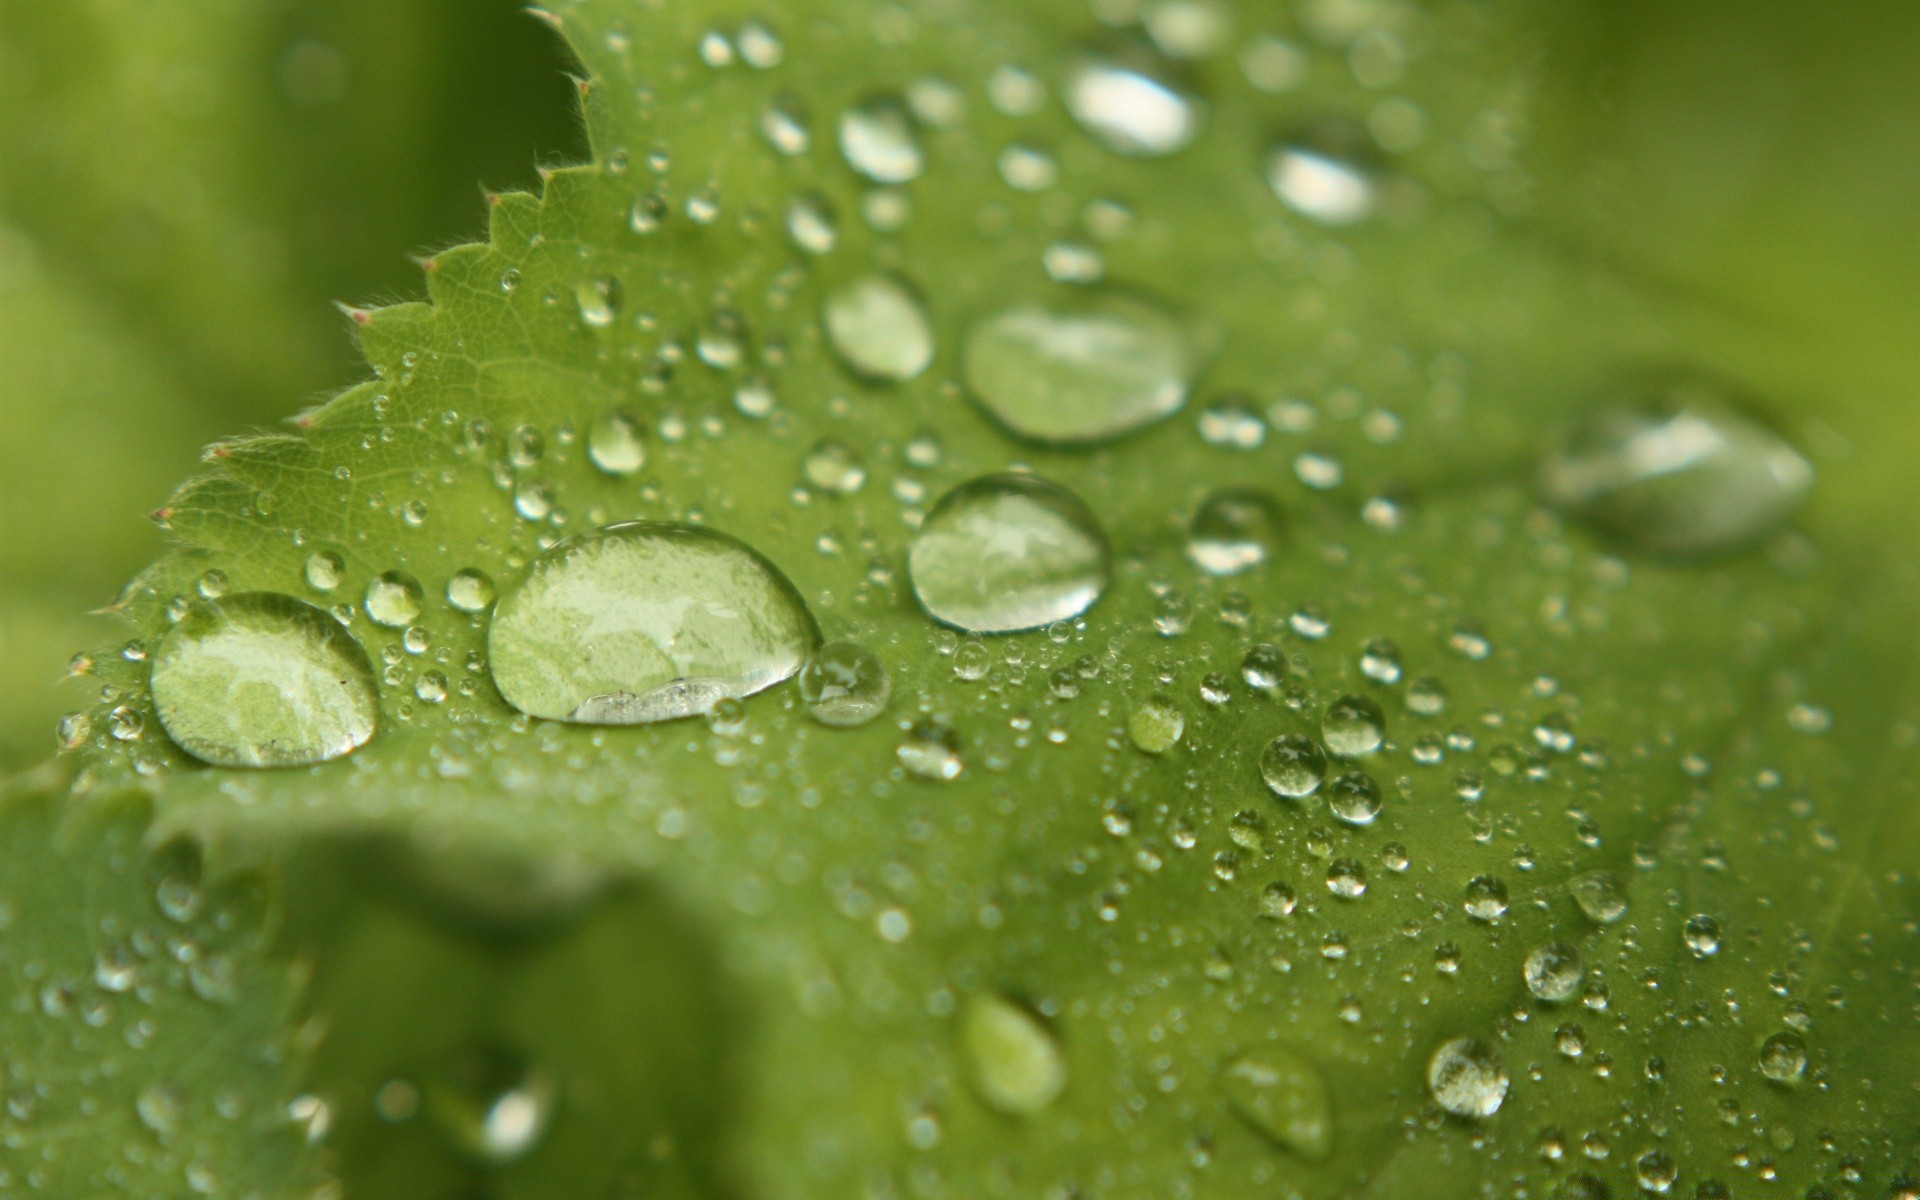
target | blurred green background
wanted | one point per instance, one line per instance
(187, 185)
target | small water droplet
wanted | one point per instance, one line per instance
(844, 684)
(931, 750)
(645, 621)
(160, 1105)
(878, 138)
(1234, 531)
(1783, 1058)
(1354, 799)
(1322, 184)
(470, 590)
(1009, 552)
(1702, 935)
(1090, 371)
(394, 599)
(599, 300)
(1156, 725)
(1346, 879)
(615, 445)
(1293, 765)
(324, 570)
(1353, 727)
(1486, 898)
(1284, 1096)
(1130, 112)
(1015, 1060)
(834, 467)
(1554, 970)
(1467, 1078)
(811, 225)
(263, 680)
(1599, 896)
(879, 327)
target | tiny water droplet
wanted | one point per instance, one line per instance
(493, 1103)
(1009, 552)
(1467, 1078)
(879, 327)
(844, 684)
(1014, 1059)
(1280, 1092)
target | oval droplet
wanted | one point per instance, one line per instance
(1467, 1078)
(1130, 113)
(394, 599)
(1283, 1095)
(645, 621)
(1091, 371)
(1234, 531)
(263, 680)
(931, 750)
(880, 329)
(1354, 799)
(1293, 765)
(1599, 895)
(879, 140)
(1004, 553)
(1677, 468)
(844, 684)
(1015, 1060)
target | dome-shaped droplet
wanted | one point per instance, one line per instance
(1008, 552)
(1156, 725)
(1353, 727)
(263, 680)
(1293, 765)
(1086, 372)
(470, 590)
(844, 684)
(834, 467)
(879, 327)
(1282, 1094)
(1486, 898)
(1013, 1057)
(394, 599)
(1554, 970)
(1131, 113)
(1599, 896)
(1677, 468)
(1234, 530)
(931, 750)
(1783, 1057)
(878, 138)
(645, 621)
(1467, 1078)
(1354, 798)
(615, 444)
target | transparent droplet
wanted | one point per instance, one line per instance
(1354, 798)
(1233, 531)
(1346, 879)
(263, 680)
(160, 1106)
(880, 329)
(1156, 725)
(1486, 898)
(493, 1103)
(931, 750)
(1129, 112)
(645, 621)
(1677, 467)
(1783, 1058)
(1321, 185)
(1380, 661)
(324, 570)
(844, 684)
(1554, 970)
(1015, 1061)
(1284, 1096)
(470, 590)
(834, 467)
(1702, 935)
(599, 300)
(784, 124)
(1467, 1078)
(1293, 765)
(878, 138)
(1353, 727)
(1004, 553)
(394, 599)
(615, 444)
(1263, 667)
(1599, 896)
(1091, 371)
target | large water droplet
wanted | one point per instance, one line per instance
(1283, 1095)
(844, 684)
(879, 141)
(1008, 552)
(493, 1103)
(1467, 1078)
(1016, 1061)
(1094, 370)
(1234, 531)
(263, 680)
(645, 621)
(880, 328)
(1354, 799)
(1677, 468)
(1129, 112)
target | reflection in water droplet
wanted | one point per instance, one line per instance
(1234, 531)
(614, 444)
(394, 599)
(1008, 552)
(324, 570)
(1554, 970)
(1783, 1058)
(844, 684)
(493, 1103)
(645, 621)
(1677, 468)
(1293, 765)
(263, 680)
(1354, 798)
(1353, 727)
(1486, 898)
(1129, 112)
(1702, 934)
(160, 1107)
(1156, 725)
(879, 327)
(1321, 186)
(1467, 1078)
(811, 225)
(1282, 1094)
(1015, 1060)
(879, 141)
(1102, 367)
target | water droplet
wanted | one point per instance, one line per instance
(1346, 879)
(784, 124)
(394, 599)
(1321, 184)
(1702, 934)
(1004, 553)
(324, 570)
(160, 1107)
(880, 329)
(1679, 468)
(599, 300)
(1283, 1095)
(1599, 896)
(1554, 970)
(1101, 367)
(1156, 725)
(879, 141)
(844, 684)
(470, 590)
(263, 680)
(834, 467)
(1016, 1063)
(1783, 1058)
(931, 750)
(1486, 898)
(1233, 531)
(1354, 798)
(645, 621)
(1293, 765)
(615, 445)
(1467, 1078)
(1380, 662)
(1264, 667)
(493, 1103)
(811, 225)
(1130, 113)
(1353, 727)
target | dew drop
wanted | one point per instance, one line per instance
(844, 684)
(1156, 725)
(645, 621)
(1353, 727)
(615, 445)
(1702, 935)
(1284, 1096)
(880, 329)
(1467, 1078)
(1293, 766)
(1486, 898)
(324, 570)
(599, 300)
(160, 1107)
(1354, 799)
(1008, 552)
(394, 599)
(263, 680)
(834, 467)
(494, 1104)
(1089, 371)
(1599, 896)
(1015, 1061)
(1783, 1058)
(879, 141)
(931, 750)
(1346, 879)
(1554, 970)
(1130, 113)
(1234, 531)
(470, 590)
(1321, 185)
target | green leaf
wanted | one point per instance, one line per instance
(1187, 988)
